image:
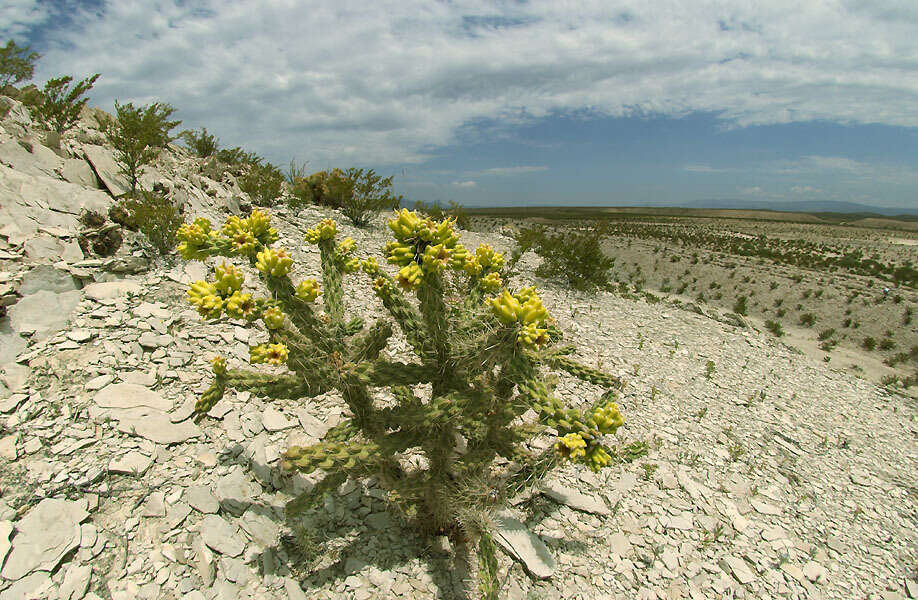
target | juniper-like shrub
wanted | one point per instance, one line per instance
(17, 63)
(361, 194)
(469, 400)
(156, 218)
(574, 257)
(203, 144)
(60, 106)
(138, 134)
(263, 183)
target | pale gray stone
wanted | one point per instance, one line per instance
(158, 427)
(220, 536)
(149, 340)
(274, 420)
(35, 586)
(43, 313)
(201, 499)
(8, 448)
(294, 591)
(204, 560)
(235, 491)
(738, 568)
(104, 165)
(311, 425)
(6, 528)
(126, 396)
(575, 499)
(133, 463)
(109, 290)
(76, 582)
(514, 538)
(80, 172)
(620, 544)
(44, 536)
(47, 278)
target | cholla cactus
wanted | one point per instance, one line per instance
(480, 347)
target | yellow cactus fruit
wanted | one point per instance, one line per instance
(200, 290)
(229, 279)
(409, 277)
(436, 258)
(352, 265)
(259, 225)
(370, 266)
(243, 243)
(608, 418)
(219, 365)
(240, 306)
(345, 247)
(382, 286)
(273, 354)
(460, 254)
(488, 258)
(405, 224)
(308, 290)
(491, 282)
(273, 318)
(505, 307)
(272, 262)
(598, 458)
(398, 253)
(472, 266)
(526, 294)
(325, 230)
(532, 311)
(532, 336)
(571, 446)
(211, 307)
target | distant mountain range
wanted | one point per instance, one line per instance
(805, 206)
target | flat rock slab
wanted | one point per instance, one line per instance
(43, 313)
(524, 546)
(125, 396)
(133, 463)
(109, 290)
(142, 412)
(47, 278)
(575, 499)
(274, 420)
(158, 427)
(220, 536)
(79, 172)
(6, 528)
(235, 492)
(103, 163)
(44, 536)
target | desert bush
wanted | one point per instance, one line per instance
(60, 106)
(138, 134)
(362, 194)
(739, 307)
(203, 144)
(807, 319)
(156, 218)
(17, 64)
(775, 328)
(476, 370)
(573, 257)
(869, 343)
(237, 157)
(435, 211)
(314, 189)
(886, 344)
(263, 183)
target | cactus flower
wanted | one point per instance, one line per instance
(273, 354)
(409, 277)
(491, 282)
(219, 365)
(532, 336)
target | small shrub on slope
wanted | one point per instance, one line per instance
(17, 64)
(479, 351)
(263, 183)
(203, 144)
(157, 219)
(138, 134)
(574, 257)
(60, 106)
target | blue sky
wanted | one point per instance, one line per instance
(618, 102)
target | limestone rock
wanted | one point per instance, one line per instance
(44, 536)
(103, 163)
(111, 289)
(575, 499)
(513, 537)
(43, 313)
(47, 278)
(220, 536)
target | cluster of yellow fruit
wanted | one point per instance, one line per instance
(523, 307)
(574, 447)
(239, 237)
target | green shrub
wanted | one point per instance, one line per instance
(477, 368)
(886, 344)
(435, 211)
(237, 157)
(60, 106)
(156, 218)
(573, 257)
(775, 328)
(826, 334)
(203, 144)
(17, 64)
(138, 134)
(869, 343)
(263, 183)
(362, 194)
(807, 319)
(739, 307)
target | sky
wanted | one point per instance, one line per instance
(540, 102)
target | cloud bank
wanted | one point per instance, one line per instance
(392, 81)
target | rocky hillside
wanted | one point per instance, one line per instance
(746, 471)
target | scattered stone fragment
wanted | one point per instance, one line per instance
(738, 568)
(6, 528)
(220, 536)
(44, 314)
(235, 492)
(260, 527)
(274, 420)
(514, 538)
(44, 536)
(133, 463)
(34, 586)
(110, 290)
(575, 499)
(76, 582)
(201, 499)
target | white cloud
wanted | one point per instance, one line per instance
(465, 184)
(19, 16)
(509, 171)
(702, 169)
(846, 170)
(351, 82)
(807, 190)
(752, 191)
